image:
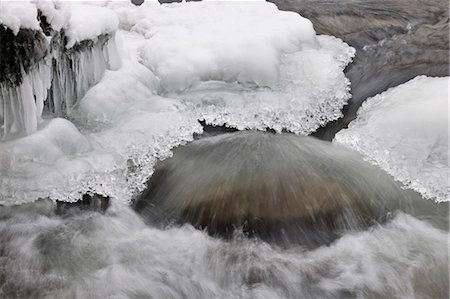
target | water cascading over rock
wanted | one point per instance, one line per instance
(280, 187)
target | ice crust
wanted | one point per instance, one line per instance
(239, 64)
(405, 131)
(242, 64)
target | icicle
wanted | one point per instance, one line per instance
(22, 105)
(76, 72)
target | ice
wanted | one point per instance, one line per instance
(405, 131)
(77, 71)
(241, 64)
(124, 128)
(21, 106)
(257, 67)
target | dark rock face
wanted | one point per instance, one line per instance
(21, 51)
(94, 202)
(395, 41)
(280, 187)
(137, 2)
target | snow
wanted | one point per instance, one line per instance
(57, 13)
(87, 22)
(18, 14)
(405, 131)
(240, 64)
(81, 21)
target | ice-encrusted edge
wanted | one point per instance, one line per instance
(376, 155)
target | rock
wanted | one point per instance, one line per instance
(94, 202)
(137, 2)
(280, 187)
(21, 51)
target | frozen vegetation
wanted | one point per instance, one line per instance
(405, 131)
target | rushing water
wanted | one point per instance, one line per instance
(118, 254)
(278, 186)
(242, 214)
(115, 255)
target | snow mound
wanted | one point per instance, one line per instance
(241, 64)
(87, 22)
(405, 131)
(18, 14)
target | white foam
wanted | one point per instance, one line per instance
(405, 131)
(116, 255)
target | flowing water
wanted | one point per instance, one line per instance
(231, 214)
(374, 248)
(116, 255)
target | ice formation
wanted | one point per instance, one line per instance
(256, 68)
(77, 71)
(405, 131)
(68, 73)
(125, 127)
(21, 106)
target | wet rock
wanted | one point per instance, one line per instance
(280, 187)
(94, 202)
(19, 52)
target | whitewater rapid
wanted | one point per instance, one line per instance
(115, 255)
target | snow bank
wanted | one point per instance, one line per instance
(405, 131)
(251, 65)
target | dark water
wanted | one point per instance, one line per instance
(395, 41)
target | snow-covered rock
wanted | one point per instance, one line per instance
(240, 64)
(124, 127)
(405, 131)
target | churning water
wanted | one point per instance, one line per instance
(115, 255)
(374, 249)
